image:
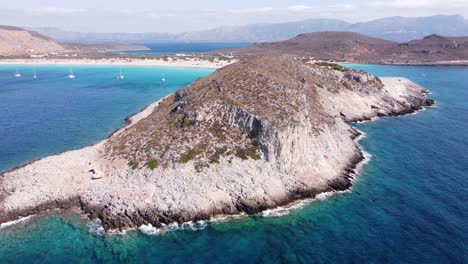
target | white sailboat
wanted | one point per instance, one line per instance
(163, 78)
(120, 76)
(35, 75)
(17, 74)
(71, 75)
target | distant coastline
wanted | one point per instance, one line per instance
(172, 61)
(194, 61)
(437, 63)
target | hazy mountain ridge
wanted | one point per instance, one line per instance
(266, 32)
(399, 29)
(95, 37)
(403, 29)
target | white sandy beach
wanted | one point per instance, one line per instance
(174, 61)
(170, 62)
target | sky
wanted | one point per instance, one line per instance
(176, 16)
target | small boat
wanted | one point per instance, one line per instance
(17, 74)
(163, 78)
(120, 76)
(35, 75)
(71, 75)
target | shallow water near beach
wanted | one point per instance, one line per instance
(408, 205)
(53, 114)
(183, 47)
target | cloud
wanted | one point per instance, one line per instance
(51, 10)
(299, 8)
(251, 10)
(160, 15)
(265, 10)
(125, 11)
(342, 6)
(421, 3)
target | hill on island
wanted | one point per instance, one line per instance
(354, 47)
(15, 41)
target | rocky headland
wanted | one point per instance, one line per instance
(256, 134)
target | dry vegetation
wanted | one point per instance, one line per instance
(194, 124)
(354, 47)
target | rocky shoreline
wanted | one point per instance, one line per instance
(267, 160)
(75, 204)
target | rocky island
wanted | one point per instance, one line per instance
(357, 48)
(256, 134)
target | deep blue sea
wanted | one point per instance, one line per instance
(408, 205)
(184, 47)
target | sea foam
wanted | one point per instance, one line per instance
(11, 223)
(149, 229)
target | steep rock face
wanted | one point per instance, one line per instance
(254, 135)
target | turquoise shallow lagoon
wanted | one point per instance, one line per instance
(184, 47)
(52, 114)
(408, 205)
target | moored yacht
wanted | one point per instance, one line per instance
(71, 75)
(120, 76)
(17, 73)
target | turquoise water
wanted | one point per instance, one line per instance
(184, 47)
(409, 204)
(52, 114)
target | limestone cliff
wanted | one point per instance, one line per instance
(253, 135)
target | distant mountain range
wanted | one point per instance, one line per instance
(266, 32)
(403, 29)
(358, 48)
(398, 29)
(331, 45)
(94, 37)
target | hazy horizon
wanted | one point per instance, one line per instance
(181, 15)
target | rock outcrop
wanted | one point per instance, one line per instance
(254, 135)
